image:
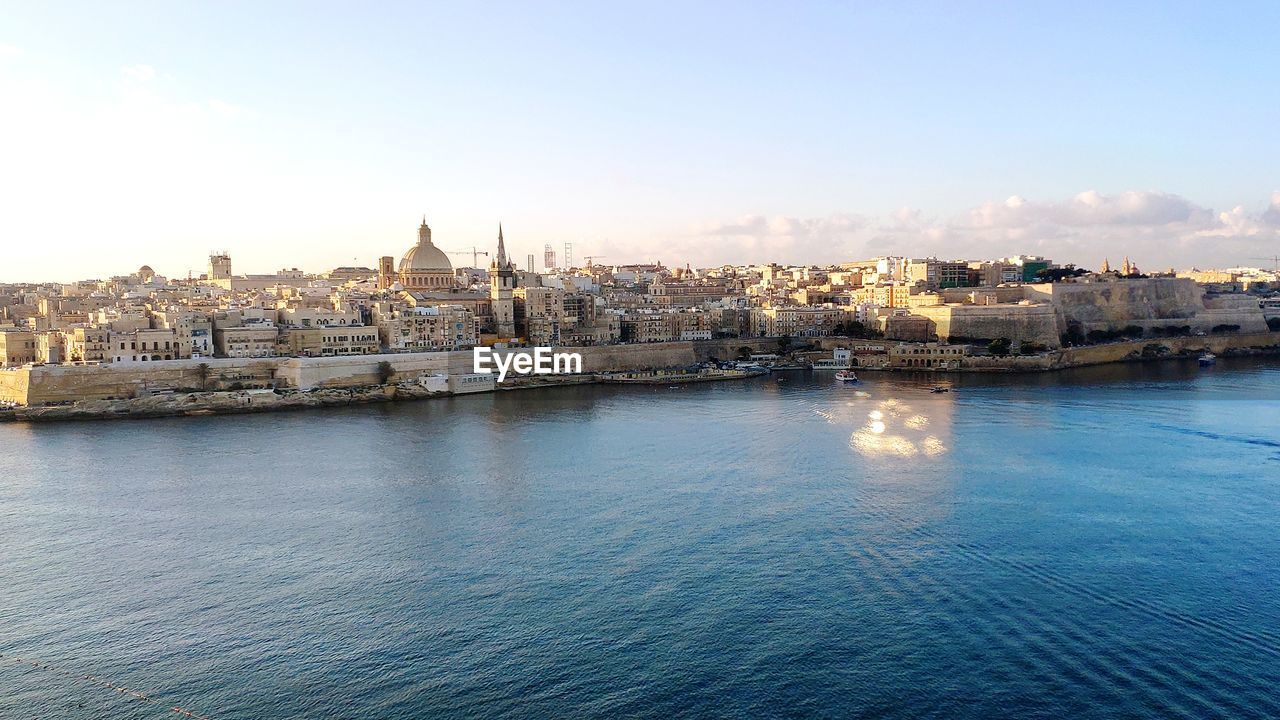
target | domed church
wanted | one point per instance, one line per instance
(425, 266)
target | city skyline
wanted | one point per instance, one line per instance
(694, 135)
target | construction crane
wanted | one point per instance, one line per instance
(474, 252)
(1275, 261)
(591, 259)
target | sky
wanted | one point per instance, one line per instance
(318, 134)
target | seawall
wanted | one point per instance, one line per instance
(55, 384)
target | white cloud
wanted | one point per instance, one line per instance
(761, 238)
(1271, 215)
(1156, 229)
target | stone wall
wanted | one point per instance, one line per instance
(13, 385)
(69, 383)
(1120, 351)
(1105, 305)
(1020, 323)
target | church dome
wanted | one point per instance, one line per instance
(425, 257)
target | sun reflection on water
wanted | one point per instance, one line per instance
(894, 428)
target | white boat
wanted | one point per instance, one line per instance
(847, 376)
(1208, 359)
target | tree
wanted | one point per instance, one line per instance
(1028, 347)
(1056, 274)
(744, 353)
(999, 346)
(1074, 335)
(385, 372)
(202, 372)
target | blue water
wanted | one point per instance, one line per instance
(1098, 543)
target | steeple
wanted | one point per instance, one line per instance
(501, 259)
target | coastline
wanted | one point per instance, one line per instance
(243, 401)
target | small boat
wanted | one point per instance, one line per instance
(847, 376)
(1208, 359)
(939, 389)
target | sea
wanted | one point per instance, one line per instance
(1094, 543)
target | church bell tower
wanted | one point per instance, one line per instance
(502, 286)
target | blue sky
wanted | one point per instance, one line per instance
(314, 134)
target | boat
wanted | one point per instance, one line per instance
(847, 376)
(939, 389)
(1208, 359)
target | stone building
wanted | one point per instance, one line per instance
(328, 341)
(246, 341)
(17, 347)
(796, 321)
(502, 286)
(423, 266)
(439, 327)
(86, 344)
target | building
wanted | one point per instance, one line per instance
(936, 356)
(86, 344)
(502, 286)
(423, 266)
(219, 267)
(147, 345)
(796, 321)
(684, 294)
(439, 327)
(386, 272)
(17, 347)
(328, 341)
(252, 340)
(346, 273)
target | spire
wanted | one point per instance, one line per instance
(501, 259)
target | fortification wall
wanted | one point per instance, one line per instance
(68, 383)
(1105, 305)
(354, 370)
(1025, 323)
(13, 385)
(1120, 351)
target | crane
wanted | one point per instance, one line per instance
(1275, 261)
(473, 251)
(591, 259)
